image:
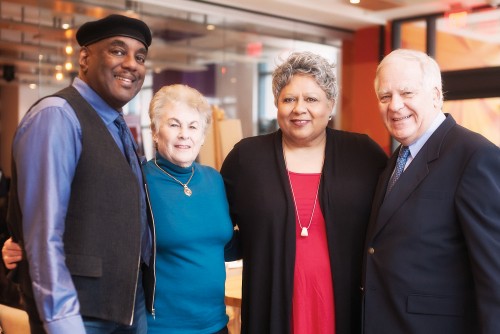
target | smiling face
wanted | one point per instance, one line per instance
(303, 111)
(407, 106)
(114, 68)
(180, 134)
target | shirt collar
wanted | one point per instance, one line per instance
(419, 143)
(107, 113)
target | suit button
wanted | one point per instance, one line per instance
(371, 250)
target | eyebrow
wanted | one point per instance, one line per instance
(405, 88)
(400, 89)
(178, 121)
(119, 42)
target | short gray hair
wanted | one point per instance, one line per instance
(431, 73)
(306, 63)
(178, 94)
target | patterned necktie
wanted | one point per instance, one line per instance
(130, 148)
(129, 145)
(404, 153)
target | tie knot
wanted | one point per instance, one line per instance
(120, 121)
(404, 152)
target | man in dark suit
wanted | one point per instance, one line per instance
(432, 256)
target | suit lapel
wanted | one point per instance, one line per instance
(384, 180)
(407, 183)
(416, 172)
(378, 198)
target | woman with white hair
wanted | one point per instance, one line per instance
(191, 216)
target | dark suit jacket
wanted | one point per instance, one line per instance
(432, 255)
(261, 204)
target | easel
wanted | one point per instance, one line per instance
(220, 139)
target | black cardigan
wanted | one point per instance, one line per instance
(261, 205)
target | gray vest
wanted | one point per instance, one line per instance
(102, 230)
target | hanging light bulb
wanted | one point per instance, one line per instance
(59, 75)
(68, 50)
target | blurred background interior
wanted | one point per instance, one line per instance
(228, 49)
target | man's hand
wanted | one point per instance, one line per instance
(11, 254)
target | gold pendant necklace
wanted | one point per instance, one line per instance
(187, 191)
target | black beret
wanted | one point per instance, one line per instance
(113, 25)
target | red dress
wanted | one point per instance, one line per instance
(313, 309)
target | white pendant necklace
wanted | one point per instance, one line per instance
(304, 231)
(187, 191)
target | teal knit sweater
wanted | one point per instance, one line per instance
(191, 233)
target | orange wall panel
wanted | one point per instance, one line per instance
(360, 57)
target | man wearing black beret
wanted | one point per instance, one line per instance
(78, 205)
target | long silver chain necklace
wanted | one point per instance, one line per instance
(304, 231)
(187, 191)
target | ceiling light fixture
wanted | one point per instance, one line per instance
(354, 2)
(456, 17)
